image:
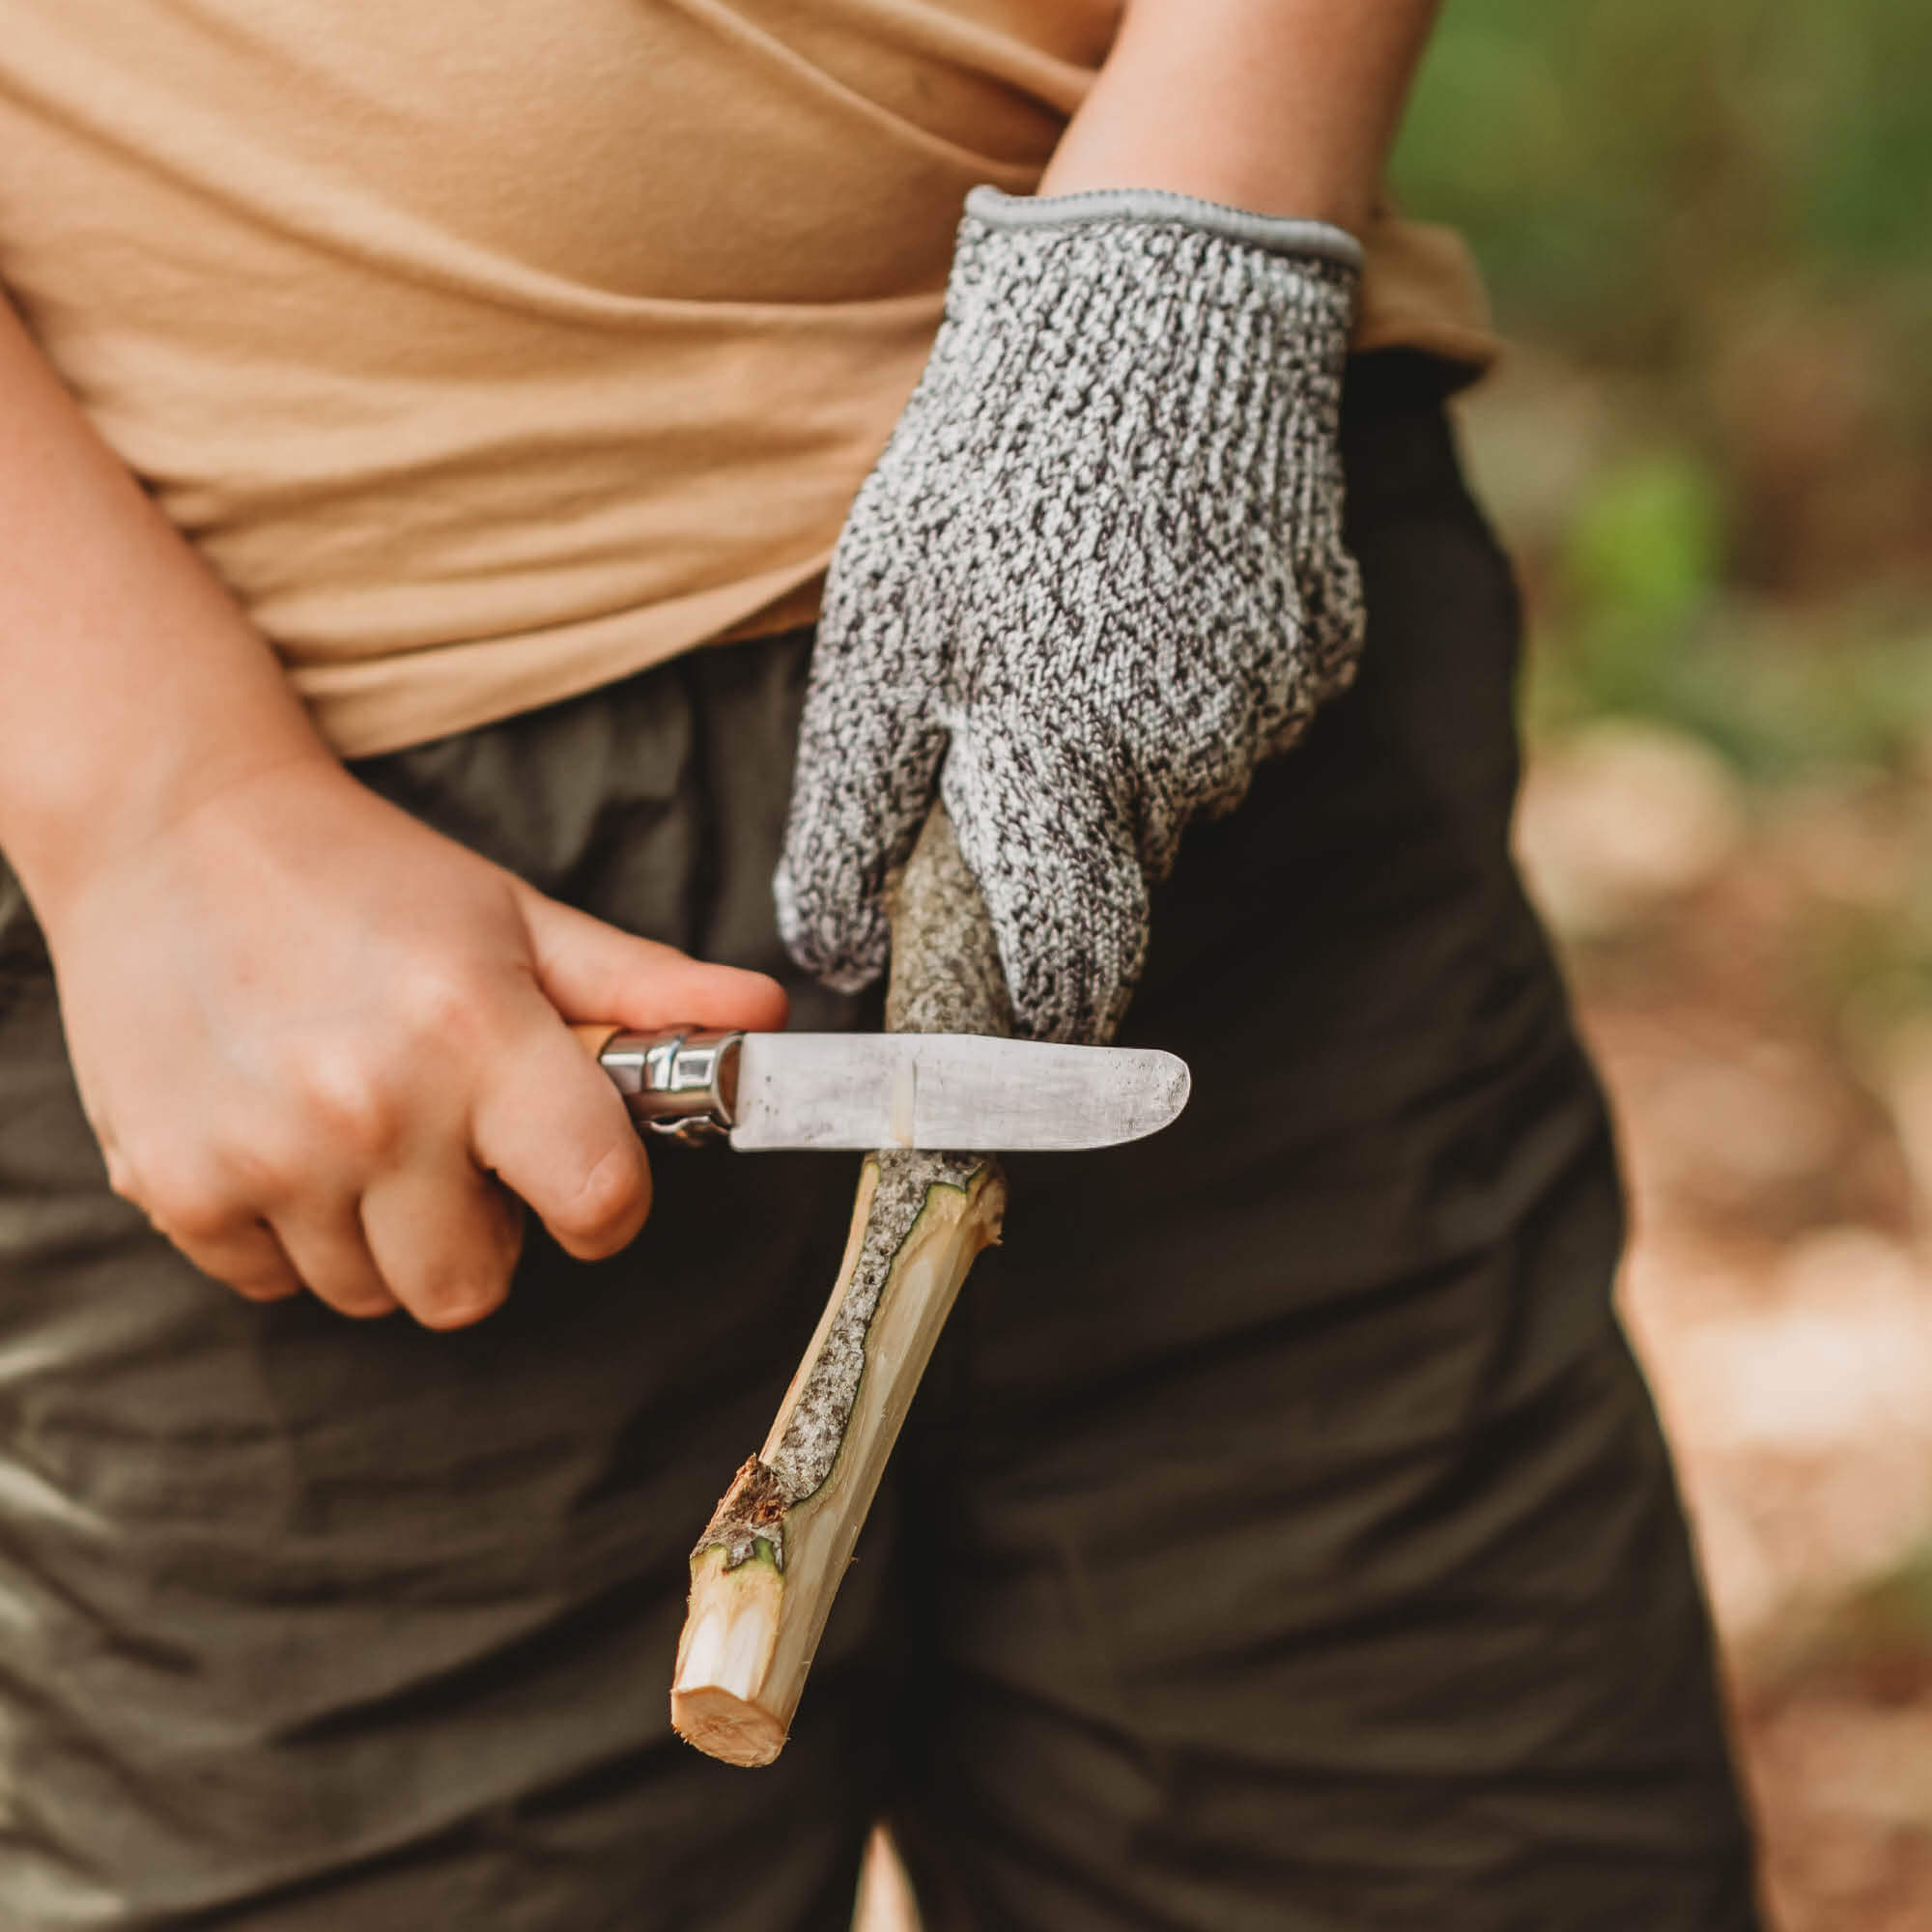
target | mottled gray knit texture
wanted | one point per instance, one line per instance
(1283, 235)
(1098, 572)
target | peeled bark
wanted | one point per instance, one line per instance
(767, 1568)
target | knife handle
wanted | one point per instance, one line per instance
(682, 1081)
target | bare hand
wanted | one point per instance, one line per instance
(322, 1045)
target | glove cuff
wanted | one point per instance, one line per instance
(1276, 234)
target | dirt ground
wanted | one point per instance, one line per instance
(1779, 1145)
(1779, 1284)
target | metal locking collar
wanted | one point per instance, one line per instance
(682, 1082)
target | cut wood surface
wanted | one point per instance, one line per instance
(767, 1568)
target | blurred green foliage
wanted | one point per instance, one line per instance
(1780, 699)
(1708, 234)
(1648, 540)
(1619, 168)
(1716, 222)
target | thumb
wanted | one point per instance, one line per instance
(590, 972)
(866, 763)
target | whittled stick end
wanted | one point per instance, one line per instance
(763, 1578)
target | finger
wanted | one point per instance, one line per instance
(248, 1258)
(551, 1128)
(864, 784)
(192, 1210)
(1047, 839)
(331, 1253)
(446, 1237)
(591, 971)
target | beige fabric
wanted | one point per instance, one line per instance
(490, 349)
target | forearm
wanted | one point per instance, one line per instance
(1280, 107)
(133, 687)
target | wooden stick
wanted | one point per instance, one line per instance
(766, 1569)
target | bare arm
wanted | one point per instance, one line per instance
(135, 687)
(1282, 107)
(307, 1030)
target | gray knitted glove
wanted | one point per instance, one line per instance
(1098, 571)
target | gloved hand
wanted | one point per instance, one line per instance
(1098, 571)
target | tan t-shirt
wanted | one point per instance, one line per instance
(490, 349)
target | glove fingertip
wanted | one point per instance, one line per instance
(1067, 903)
(842, 941)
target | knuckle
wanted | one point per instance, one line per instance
(602, 1212)
(263, 1169)
(442, 1006)
(192, 1213)
(149, 1173)
(352, 1103)
(124, 1178)
(193, 1202)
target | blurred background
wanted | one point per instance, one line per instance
(1708, 234)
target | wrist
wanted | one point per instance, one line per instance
(1283, 108)
(1079, 169)
(102, 815)
(1273, 233)
(1120, 289)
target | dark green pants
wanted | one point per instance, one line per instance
(1283, 1539)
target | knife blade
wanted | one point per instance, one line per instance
(960, 1092)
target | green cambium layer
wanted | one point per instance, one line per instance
(751, 1517)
